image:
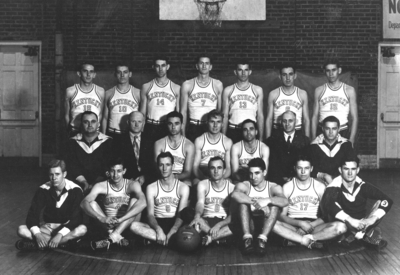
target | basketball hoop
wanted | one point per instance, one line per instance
(210, 11)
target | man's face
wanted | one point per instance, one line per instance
(123, 74)
(165, 167)
(288, 76)
(161, 67)
(136, 123)
(331, 131)
(215, 125)
(204, 65)
(243, 72)
(249, 131)
(174, 125)
(303, 170)
(349, 171)
(216, 169)
(57, 176)
(332, 72)
(90, 124)
(117, 172)
(288, 122)
(87, 73)
(256, 175)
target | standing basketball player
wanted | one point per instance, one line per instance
(199, 96)
(240, 101)
(120, 101)
(180, 147)
(165, 199)
(158, 98)
(287, 97)
(85, 96)
(338, 99)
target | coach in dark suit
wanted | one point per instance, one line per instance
(136, 151)
(284, 148)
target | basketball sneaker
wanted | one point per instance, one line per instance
(100, 245)
(261, 246)
(125, 244)
(26, 245)
(248, 246)
(373, 238)
(289, 243)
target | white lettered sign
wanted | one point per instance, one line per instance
(391, 19)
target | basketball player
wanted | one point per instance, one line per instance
(259, 203)
(211, 144)
(165, 199)
(85, 96)
(212, 206)
(247, 149)
(120, 101)
(180, 147)
(123, 203)
(304, 194)
(57, 202)
(158, 98)
(240, 101)
(199, 96)
(338, 99)
(287, 97)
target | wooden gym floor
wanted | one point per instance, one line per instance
(19, 184)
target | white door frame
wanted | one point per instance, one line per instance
(39, 44)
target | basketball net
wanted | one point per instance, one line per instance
(210, 11)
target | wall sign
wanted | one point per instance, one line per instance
(391, 19)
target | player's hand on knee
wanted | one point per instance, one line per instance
(214, 231)
(55, 241)
(301, 231)
(306, 226)
(41, 240)
(266, 210)
(161, 238)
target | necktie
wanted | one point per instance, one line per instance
(136, 149)
(288, 142)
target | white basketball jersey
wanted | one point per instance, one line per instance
(290, 102)
(303, 203)
(258, 194)
(335, 102)
(120, 106)
(116, 202)
(216, 202)
(178, 153)
(84, 101)
(210, 150)
(246, 156)
(166, 202)
(161, 100)
(202, 100)
(243, 105)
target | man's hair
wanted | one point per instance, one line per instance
(175, 114)
(331, 119)
(115, 161)
(89, 113)
(350, 158)
(214, 159)
(288, 112)
(205, 55)
(257, 162)
(286, 65)
(332, 61)
(122, 64)
(249, 121)
(242, 61)
(80, 66)
(160, 57)
(214, 113)
(54, 163)
(303, 157)
(165, 155)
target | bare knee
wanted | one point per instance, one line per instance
(135, 226)
(339, 228)
(80, 231)
(24, 232)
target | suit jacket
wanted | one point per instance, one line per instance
(124, 148)
(282, 156)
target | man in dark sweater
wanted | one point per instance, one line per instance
(59, 199)
(328, 151)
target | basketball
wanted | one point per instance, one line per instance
(187, 239)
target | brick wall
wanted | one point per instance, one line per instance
(102, 32)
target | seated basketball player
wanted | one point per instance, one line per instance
(243, 151)
(345, 199)
(180, 147)
(123, 203)
(211, 144)
(59, 201)
(165, 199)
(304, 194)
(212, 207)
(259, 203)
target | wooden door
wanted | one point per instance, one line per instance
(389, 106)
(19, 101)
